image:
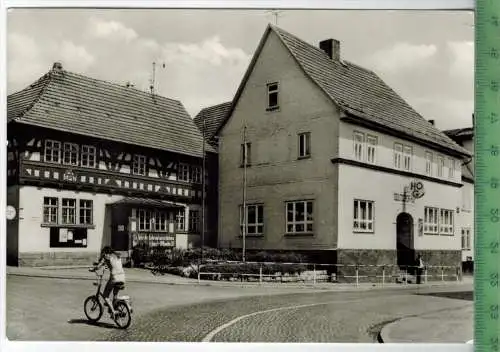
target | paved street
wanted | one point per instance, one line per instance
(52, 309)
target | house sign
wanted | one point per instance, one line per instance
(417, 189)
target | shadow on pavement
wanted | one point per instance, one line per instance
(465, 295)
(88, 322)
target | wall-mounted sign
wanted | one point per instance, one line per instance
(417, 189)
(400, 197)
(69, 176)
(10, 212)
(121, 228)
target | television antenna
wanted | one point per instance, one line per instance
(153, 78)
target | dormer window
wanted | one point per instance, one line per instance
(70, 154)
(272, 96)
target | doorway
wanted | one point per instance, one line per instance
(404, 240)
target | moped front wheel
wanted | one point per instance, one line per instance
(93, 309)
(122, 317)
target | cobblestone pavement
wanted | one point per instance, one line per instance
(52, 309)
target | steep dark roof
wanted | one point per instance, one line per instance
(70, 102)
(213, 117)
(460, 133)
(359, 92)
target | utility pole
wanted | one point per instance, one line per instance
(245, 160)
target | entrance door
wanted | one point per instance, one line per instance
(405, 248)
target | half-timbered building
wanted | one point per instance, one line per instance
(92, 163)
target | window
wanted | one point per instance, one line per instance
(304, 145)
(451, 170)
(272, 96)
(52, 151)
(466, 239)
(431, 221)
(139, 165)
(428, 163)
(364, 216)
(50, 210)
(300, 217)
(144, 220)
(194, 221)
(359, 140)
(159, 219)
(440, 166)
(183, 172)
(70, 155)
(255, 219)
(371, 146)
(180, 220)
(246, 154)
(85, 212)
(196, 173)
(88, 156)
(398, 155)
(446, 222)
(68, 211)
(407, 156)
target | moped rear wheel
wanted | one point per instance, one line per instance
(122, 317)
(93, 309)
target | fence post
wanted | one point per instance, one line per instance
(383, 275)
(314, 274)
(442, 273)
(406, 275)
(458, 274)
(199, 273)
(425, 275)
(357, 276)
(260, 274)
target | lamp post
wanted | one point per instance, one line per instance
(245, 156)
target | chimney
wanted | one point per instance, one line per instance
(57, 66)
(431, 122)
(331, 47)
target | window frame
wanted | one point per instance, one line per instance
(258, 224)
(68, 208)
(304, 145)
(398, 155)
(50, 210)
(358, 145)
(194, 226)
(137, 160)
(305, 222)
(466, 239)
(443, 225)
(68, 150)
(180, 220)
(407, 157)
(86, 154)
(430, 215)
(440, 166)
(358, 220)
(183, 172)
(371, 147)
(451, 169)
(271, 92)
(52, 148)
(82, 206)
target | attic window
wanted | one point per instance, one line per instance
(272, 96)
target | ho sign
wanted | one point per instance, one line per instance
(417, 189)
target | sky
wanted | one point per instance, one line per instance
(201, 55)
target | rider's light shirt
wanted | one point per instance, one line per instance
(114, 264)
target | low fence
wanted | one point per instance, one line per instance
(261, 272)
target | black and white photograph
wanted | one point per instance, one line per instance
(255, 175)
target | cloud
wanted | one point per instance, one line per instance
(28, 59)
(402, 56)
(462, 59)
(112, 30)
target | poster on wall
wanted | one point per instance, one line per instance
(63, 235)
(70, 235)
